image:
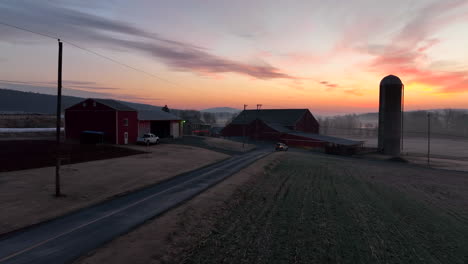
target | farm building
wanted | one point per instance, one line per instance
(295, 127)
(195, 126)
(259, 124)
(116, 122)
(160, 123)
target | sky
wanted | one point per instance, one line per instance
(328, 56)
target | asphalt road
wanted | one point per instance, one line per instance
(64, 239)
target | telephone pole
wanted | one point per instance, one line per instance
(402, 118)
(243, 129)
(256, 121)
(59, 119)
(428, 138)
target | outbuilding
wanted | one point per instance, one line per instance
(117, 123)
(160, 123)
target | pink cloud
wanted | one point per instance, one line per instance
(329, 85)
(407, 52)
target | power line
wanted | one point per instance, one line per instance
(90, 51)
(118, 62)
(27, 30)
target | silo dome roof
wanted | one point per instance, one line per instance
(391, 80)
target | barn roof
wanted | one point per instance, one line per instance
(283, 117)
(114, 104)
(278, 127)
(154, 115)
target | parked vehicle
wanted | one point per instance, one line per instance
(148, 138)
(281, 147)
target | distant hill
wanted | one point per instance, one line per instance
(221, 110)
(28, 102)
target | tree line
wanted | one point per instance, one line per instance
(213, 119)
(445, 122)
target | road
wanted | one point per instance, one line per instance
(64, 239)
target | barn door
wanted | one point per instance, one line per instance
(175, 129)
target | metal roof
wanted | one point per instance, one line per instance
(339, 141)
(284, 117)
(335, 140)
(279, 127)
(154, 115)
(114, 104)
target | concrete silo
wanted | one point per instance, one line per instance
(389, 141)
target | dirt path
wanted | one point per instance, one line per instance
(320, 209)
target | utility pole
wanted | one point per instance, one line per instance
(256, 121)
(428, 138)
(402, 118)
(243, 128)
(59, 112)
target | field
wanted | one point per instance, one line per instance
(445, 152)
(313, 208)
(27, 120)
(27, 197)
(28, 154)
(448, 147)
(225, 146)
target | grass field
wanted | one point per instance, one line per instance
(225, 146)
(29, 154)
(318, 209)
(449, 147)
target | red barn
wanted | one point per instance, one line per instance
(295, 127)
(118, 123)
(291, 119)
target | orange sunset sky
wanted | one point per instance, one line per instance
(328, 56)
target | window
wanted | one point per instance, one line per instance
(84, 104)
(125, 122)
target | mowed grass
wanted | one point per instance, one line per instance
(315, 209)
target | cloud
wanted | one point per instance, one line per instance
(46, 88)
(102, 32)
(93, 88)
(428, 20)
(406, 53)
(429, 44)
(86, 92)
(328, 84)
(70, 84)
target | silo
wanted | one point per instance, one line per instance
(389, 141)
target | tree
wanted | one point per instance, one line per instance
(209, 118)
(229, 120)
(190, 114)
(165, 109)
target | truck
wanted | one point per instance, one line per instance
(148, 139)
